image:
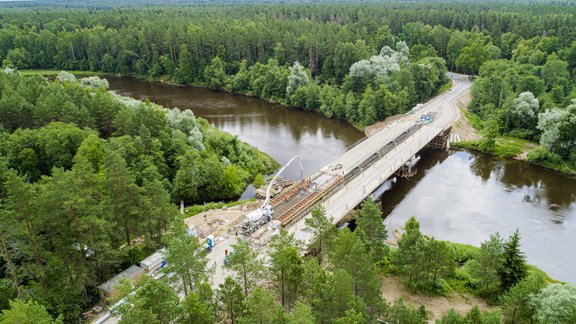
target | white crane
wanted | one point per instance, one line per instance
(262, 215)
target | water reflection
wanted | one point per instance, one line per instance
(464, 197)
(539, 186)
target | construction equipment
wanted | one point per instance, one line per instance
(263, 215)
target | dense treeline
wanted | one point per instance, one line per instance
(252, 50)
(89, 180)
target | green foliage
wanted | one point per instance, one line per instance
(464, 252)
(154, 301)
(543, 157)
(196, 311)
(186, 258)
(150, 157)
(474, 316)
(244, 261)
(230, 299)
(517, 305)
(371, 229)
(27, 312)
(198, 209)
(301, 314)
(425, 262)
(399, 312)
(505, 147)
(556, 303)
(92, 178)
(322, 229)
(487, 267)
(349, 253)
(214, 74)
(515, 268)
(285, 266)
(258, 181)
(351, 317)
(451, 317)
(260, 307)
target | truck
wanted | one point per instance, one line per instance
(257, 218)
(263, 215)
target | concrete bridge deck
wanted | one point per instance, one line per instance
(341, 201)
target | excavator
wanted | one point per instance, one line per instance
(263, 215)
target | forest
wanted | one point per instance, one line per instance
(338, 282)
(89, 181)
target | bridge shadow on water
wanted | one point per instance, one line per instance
(428, 159)
(391, 198)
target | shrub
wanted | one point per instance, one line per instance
(542, 155)
(464, 252)
(258, 180)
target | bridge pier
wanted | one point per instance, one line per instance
(440, 142)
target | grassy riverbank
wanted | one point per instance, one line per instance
(511, 147)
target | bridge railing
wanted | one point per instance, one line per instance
(367, 161)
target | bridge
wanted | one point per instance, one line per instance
(342, 184)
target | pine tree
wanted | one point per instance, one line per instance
(243, 260)
(285, 266)
(322, 230)
(230, 298)
(515, 267)
(371, 229)
(488, 265)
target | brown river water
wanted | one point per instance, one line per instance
(456, 196)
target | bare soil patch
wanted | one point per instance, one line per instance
(462, 126)
(436, 306)
(220, 221)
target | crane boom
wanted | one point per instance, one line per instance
(296, 157)
(262, 215)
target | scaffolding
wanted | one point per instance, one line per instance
(440, 142)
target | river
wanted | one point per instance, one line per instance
(456, 196)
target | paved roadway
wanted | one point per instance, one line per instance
(344, 200)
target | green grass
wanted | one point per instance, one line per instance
(197, 209)
(505, 147)
(508, 147)
(474, 119)
(561, 167)
(445, 87)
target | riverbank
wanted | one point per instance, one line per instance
(54, 72)
(468, 127)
